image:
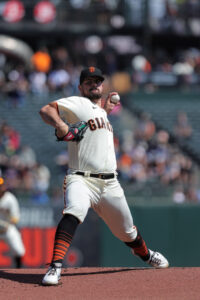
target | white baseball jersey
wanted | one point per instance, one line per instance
(95, 152)
(9, 207)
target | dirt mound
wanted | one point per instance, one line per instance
(102, 283)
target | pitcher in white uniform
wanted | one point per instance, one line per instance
(92, 177)
(9, 217)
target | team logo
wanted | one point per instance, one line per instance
(92, 69)
(99, 123)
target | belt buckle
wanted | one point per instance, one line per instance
(87, 173)
(102, 176)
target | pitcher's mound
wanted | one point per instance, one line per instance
(102, 283)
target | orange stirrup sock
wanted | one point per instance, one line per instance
(61, 246)
(63, 238)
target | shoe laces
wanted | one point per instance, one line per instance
(155, 259)
(52, 271)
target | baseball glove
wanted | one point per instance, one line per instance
(76, 132)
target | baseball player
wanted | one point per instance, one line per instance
(92, 178)
(9, 217)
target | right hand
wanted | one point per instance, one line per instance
(109, 105)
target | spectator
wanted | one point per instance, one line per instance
(9, 139)
(124, 164)
(41, 184)
(60, 57)
(58, 79)
(146, 128)
(179, 195)
(19, 165)
(38, 83)
(42, 60)
(17, 87)
(182, 128)
(27, 156)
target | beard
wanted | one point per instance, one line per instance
(93, 96)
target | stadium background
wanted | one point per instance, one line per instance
(149, 51)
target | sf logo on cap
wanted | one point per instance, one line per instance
(91, 69)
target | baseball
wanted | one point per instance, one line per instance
(115, 98)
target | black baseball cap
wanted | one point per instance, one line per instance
(91, 72)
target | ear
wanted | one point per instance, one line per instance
(80, 88)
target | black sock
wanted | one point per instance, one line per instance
(18, 261)
(139, 247)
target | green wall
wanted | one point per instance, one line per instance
(172, 230)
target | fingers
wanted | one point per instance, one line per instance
(113, 97)
(111, 94)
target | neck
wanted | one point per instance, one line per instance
(97, 101)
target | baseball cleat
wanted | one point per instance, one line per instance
(157, 260)
(52, 276)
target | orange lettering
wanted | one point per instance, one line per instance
(98, 122)
(103, 125)
(49, 240)
(32, 238)
(5, 261)
(92, 124)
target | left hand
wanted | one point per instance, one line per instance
(75, 132)
(109, 106)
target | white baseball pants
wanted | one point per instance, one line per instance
(107, 199)
(13, 238)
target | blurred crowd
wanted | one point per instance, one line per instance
(57, 71)
(19, 166)
(144, 154)
(178, 16)
(147, 155)
(180, 70)
(48, 73)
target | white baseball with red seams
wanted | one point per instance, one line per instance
(115, 98)
(94, 154)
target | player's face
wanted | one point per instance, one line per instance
(92, 88)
